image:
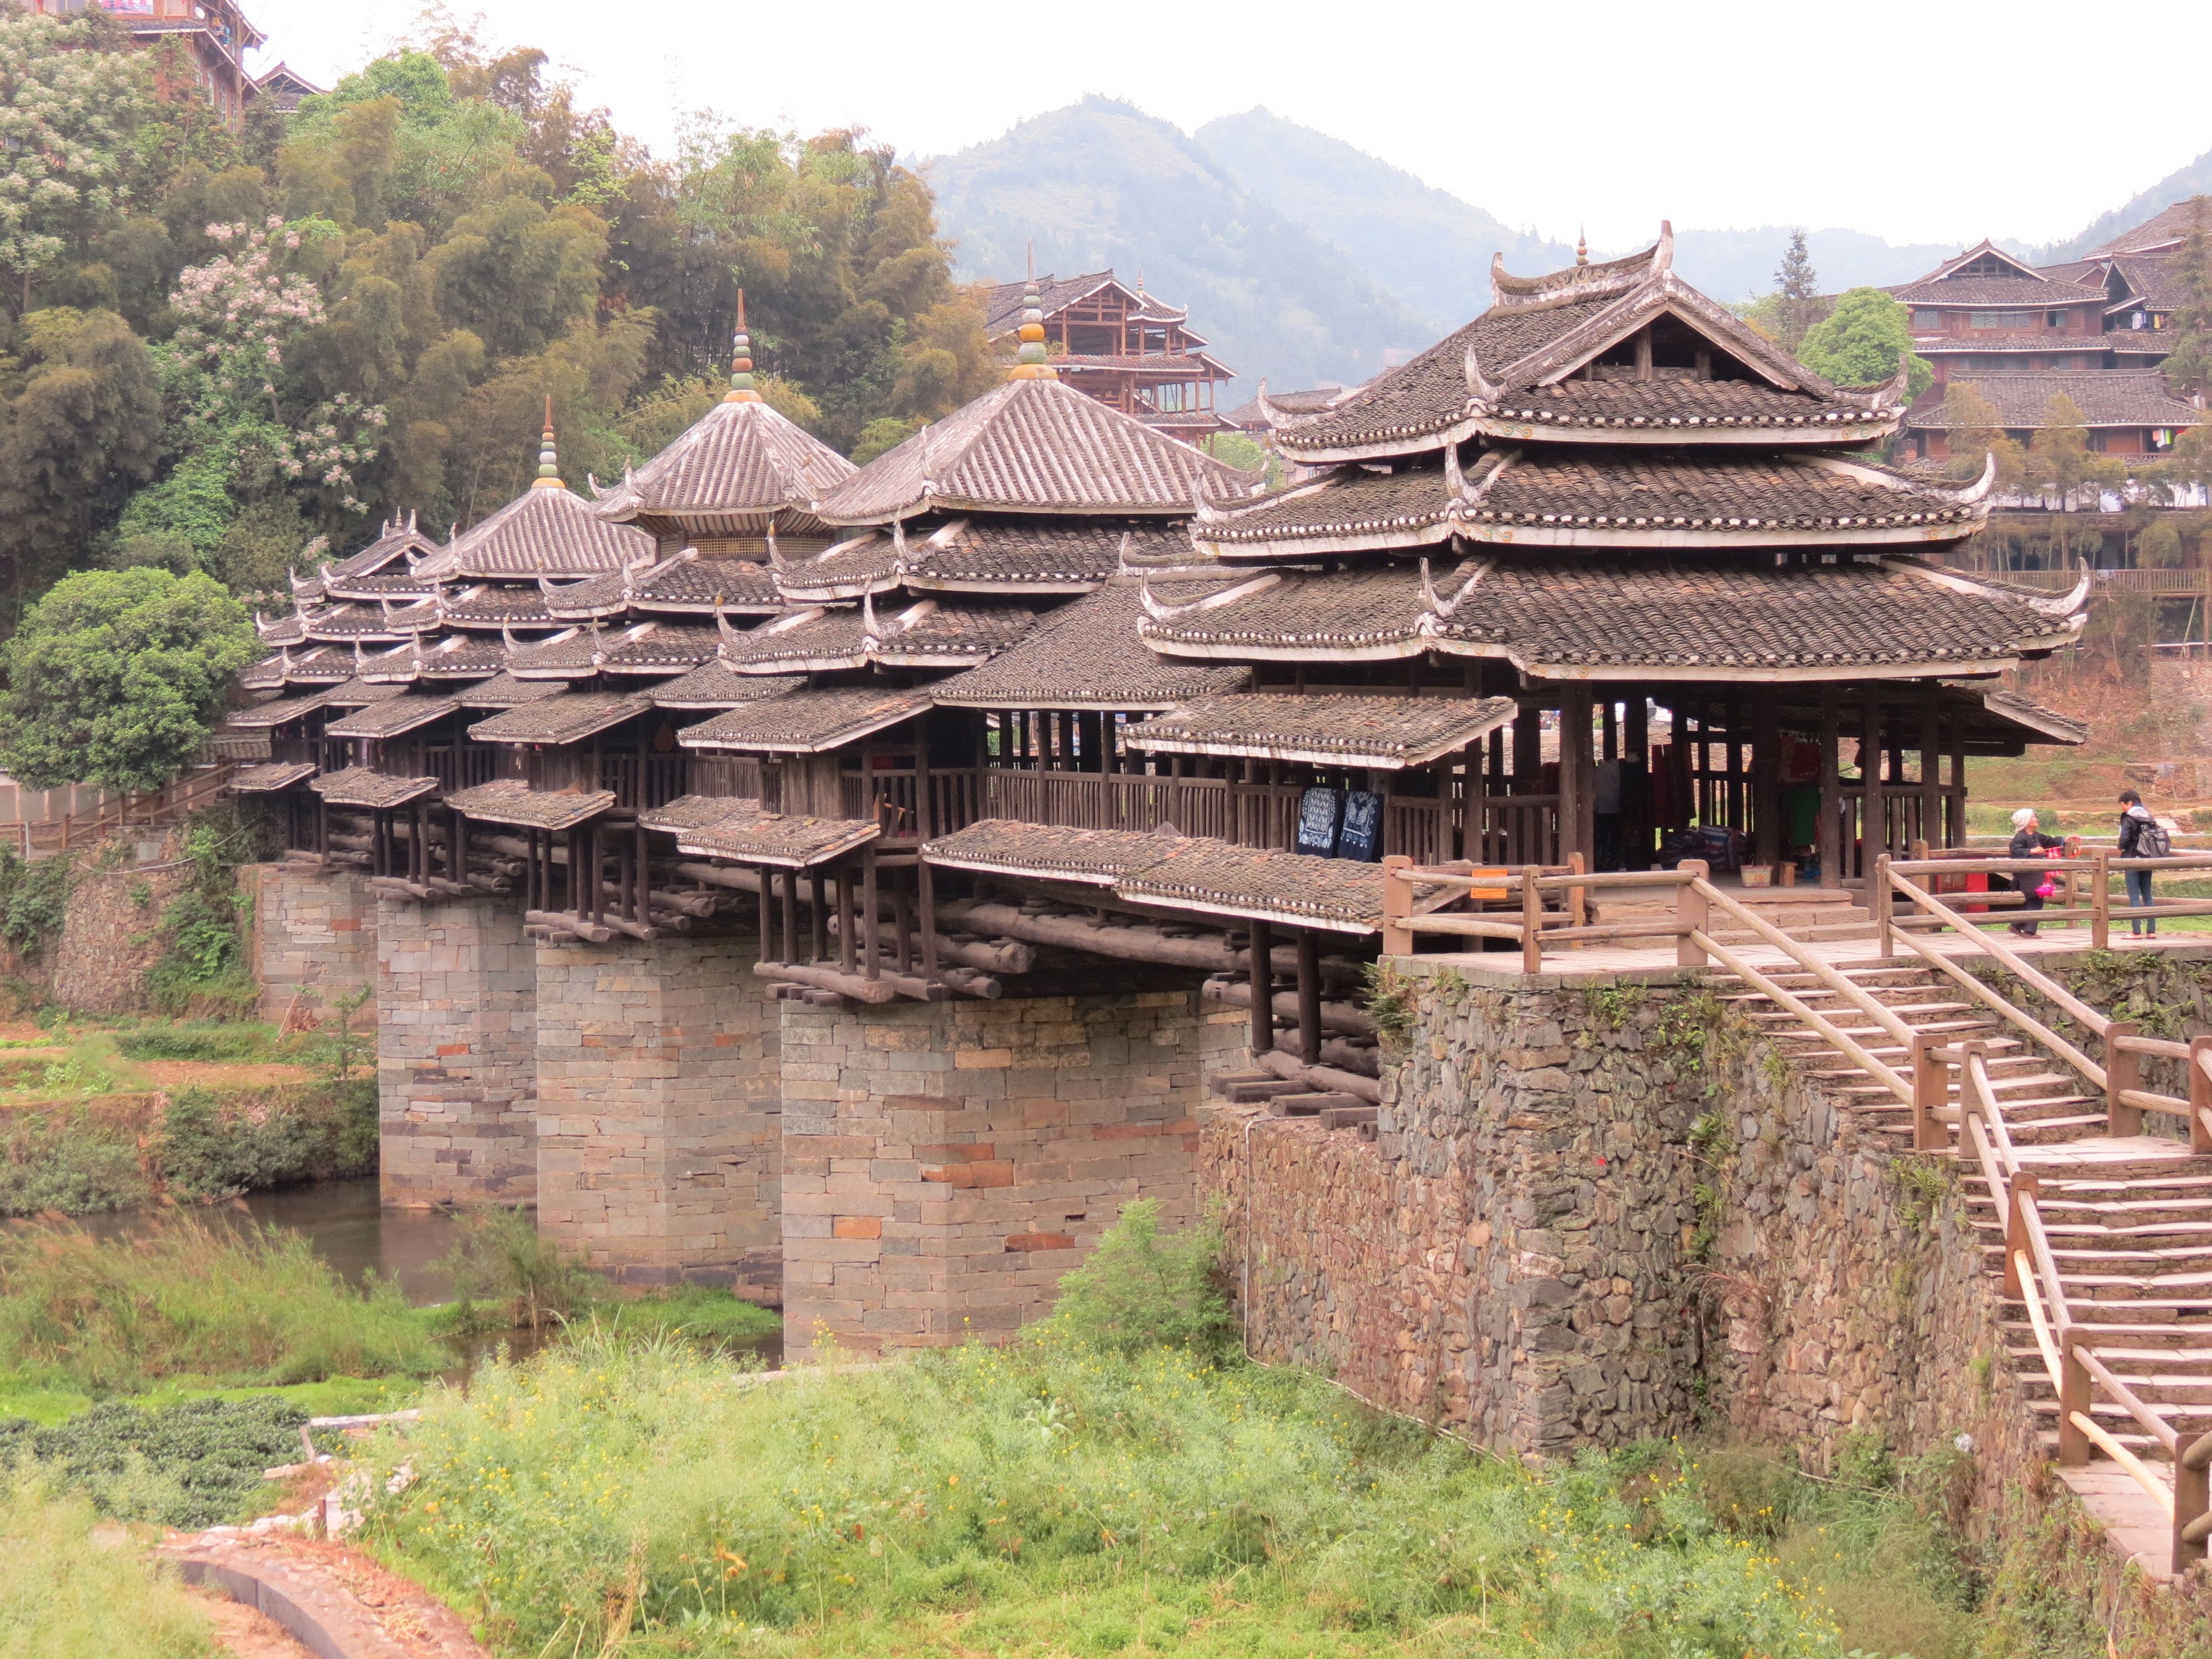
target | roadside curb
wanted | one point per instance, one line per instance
(302, 1592)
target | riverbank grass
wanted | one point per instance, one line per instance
(74, 1588)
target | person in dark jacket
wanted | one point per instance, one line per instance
(2029, 843)
(2135, 819)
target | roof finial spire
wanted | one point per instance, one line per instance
(741, 361)
(548, 458)
(1581, 246)
(1030, 363)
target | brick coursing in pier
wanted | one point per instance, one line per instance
(456, 1052)
(314, 940)
(659, 1102)
(946, 1163)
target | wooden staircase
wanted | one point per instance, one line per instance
(2123, 1220)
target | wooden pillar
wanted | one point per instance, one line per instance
(1262, 980)
(1578, 777)
(870, 922)
(1609, 718)
(848, 944)
(1309, 997)
(1955, 831)
(642, 855)
(768, 916)
(1830, 847)
(790, 912)
(819, 918)
(924, 900)
(1874, 817)
(1931, 765)
(1529, 751)
(1636, 750)
(1767, 782)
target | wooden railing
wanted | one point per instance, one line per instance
(640, 782)
(150, 808)
(2095, 909)
(2076, 1370)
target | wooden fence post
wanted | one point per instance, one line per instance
(1692, 914)
(1878, 896)
(2100, 903)
(2021, 1186)
(2073, 1396)
(1397, 906)
(1577, 895)
(2192, 1495)
(2123, 1070)
(1930, 1084)
(1532, 919)
(2200, 1095)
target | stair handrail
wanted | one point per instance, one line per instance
(1879, 1070)
(2075, 1367)
(1797, 950)
(2012, 959)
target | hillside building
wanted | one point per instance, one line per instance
(216, 34)
(1129, 350)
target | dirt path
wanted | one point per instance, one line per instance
(337, 1599)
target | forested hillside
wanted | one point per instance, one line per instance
(1101, 183)
(220, 347)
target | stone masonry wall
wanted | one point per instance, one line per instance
(944, 1164)
(659, 1102)
(1507, 1256)
(456, 1052)
(313, 941)
(1598, 1210)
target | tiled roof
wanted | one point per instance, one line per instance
(225, 743)
(984, 554)
(806, 637)
(276, 711)
(394, 540)
(553, 531)
(687, 812)
(689, 584)
(1704, 490)
(359, 787)
(505, 691)
(2047, 725)
(462, 657)
(357, 693)
(569, 718)
(946, 634)
(350, 621)
(322, 666)
(2154, 283)
(1165, 364)
(1712, 614)
(749, 834)
(1409, 509)
(1428, 395)
(1002, 301)
(2114, 396)
(509, 800)
(714, 685)
(1033, 446)
(1325, 728)
(1309, 401)
(494, 606)
(390, 718)
(1085, 655)
(1008, 847)
(2024, 293)
(2174, 224)
(1180, 872)
(1954, 345)
(385, 585)
(738, 459)
(659, 647)
(1683, 406)
(807, 722)
(272, 777)
(564, 656)
(2139, 342)
(1216, 879)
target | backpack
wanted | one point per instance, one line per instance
(2154, 840)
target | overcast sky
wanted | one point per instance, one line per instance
(1930, 122)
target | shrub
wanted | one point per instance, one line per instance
(190, 1465)
(212, 1148)
(34, 900)
(221, 1044)
(500, 1257)
(71, 1162)
(1143, 1289)
(112, 1316)
(61, 1598)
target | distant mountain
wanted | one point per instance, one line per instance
(1739, 265)
(1102, 184)
(1426, 247)
(2194, 179)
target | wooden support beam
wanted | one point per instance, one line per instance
(1829, 847)
(870, 914)
(1931, 764)
(1126, 941)
(1262, 989)
(1310, 1033)
(1337, 1019)
(1874, 816)
(1767, 782)
(1320, 1080)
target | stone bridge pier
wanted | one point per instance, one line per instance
(943, 1163)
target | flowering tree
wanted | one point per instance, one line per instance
(241, 312)
(67, 118)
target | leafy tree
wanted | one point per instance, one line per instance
(1972, 429)
(1861, 340)
(2188, 362)
(2061, 463)
(115, 675)
(80, 422)
(68, 115)
(1798, 307)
